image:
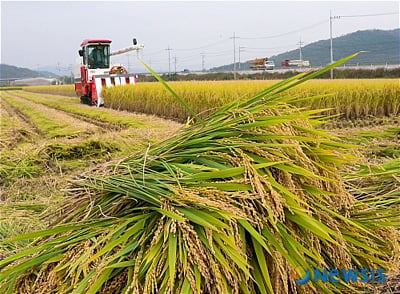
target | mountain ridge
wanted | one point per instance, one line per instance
(382, 47)
(14, 72)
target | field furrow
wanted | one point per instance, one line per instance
(51, 122)
(65, 139)
(121, 119)
(55, 102)
(14, 126)
(50, 97)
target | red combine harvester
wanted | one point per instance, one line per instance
(94, 70)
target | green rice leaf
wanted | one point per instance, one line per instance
(203, 219)
(181, 101)
(256, 235)
(172, 240)
(262, 264)
(309, 223)
(103, 277)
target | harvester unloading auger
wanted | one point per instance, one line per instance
(94, 70)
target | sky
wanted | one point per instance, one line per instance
(36, 34)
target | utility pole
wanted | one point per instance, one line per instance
(169, 60)
(300, 44)
(59, 72)
(240, 50)
(175, 63)
(202, 61)
(234, 54)
(71, 67)
(330, 31)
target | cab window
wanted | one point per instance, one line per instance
(98, 56)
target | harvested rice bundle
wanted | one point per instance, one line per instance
(244, 201)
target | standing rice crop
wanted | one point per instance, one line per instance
(354, 99)
(245, 200)
(350, 99)
(65, 90)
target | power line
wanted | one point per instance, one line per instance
(155, 52)
(287, 33)
(188, 57)
(264, 48)
(366, 15)
(201, 47)
(212, 55)
(344, 16)
(218, 52)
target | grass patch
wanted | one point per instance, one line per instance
(83, 150)
(10, 88)
(13, 131)
(20, 163)
(29, 161)
(388, 133)
(14, 226)
(389, 151)
(373, 182)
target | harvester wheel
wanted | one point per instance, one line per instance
(86, 100)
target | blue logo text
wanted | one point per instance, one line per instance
(345, 275)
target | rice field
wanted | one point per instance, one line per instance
(242, 199)
(350, 99)
(65, 90)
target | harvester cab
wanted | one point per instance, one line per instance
(94, 70)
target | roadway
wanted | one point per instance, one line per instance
(303, 69)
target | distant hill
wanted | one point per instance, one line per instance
(58, 70)
(13, 72)
(382, 46)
